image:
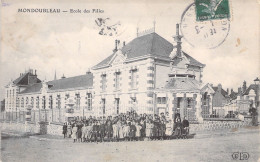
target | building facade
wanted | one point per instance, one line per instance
(148, 75)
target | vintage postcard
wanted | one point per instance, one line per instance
(130, 81)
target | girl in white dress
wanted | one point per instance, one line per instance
(169, 129)
(138, 131)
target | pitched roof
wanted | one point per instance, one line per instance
(252, 86)
(72, 82)
(233, 95)
(182, 84)
(85, 81)
(152, 44)
(193, 61)
(33, 88)
(105, 61)
(223, 92)
(23, 79)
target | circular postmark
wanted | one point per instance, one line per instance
(206, 34)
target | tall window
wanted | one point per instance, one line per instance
(179, 102)
(77, 101)
(50, 102)
(134, 79)
(104, 106)
(27, 101)
(89, 101)
(103, 82)
(43, 102)
(117, 80)
(189, 102)
(161, 100)
(58, 102)
(37, 102)
(32, 102)
(22, 102)
(117, 100)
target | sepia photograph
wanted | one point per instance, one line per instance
(130, 81)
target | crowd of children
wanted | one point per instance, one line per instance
(126, 127)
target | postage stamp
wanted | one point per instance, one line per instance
(212, 9)
(206, 34)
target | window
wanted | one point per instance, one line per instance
(43, 102)
(50, 102)
(117, 100)
(6, 93)
(37, 102)
(89, 101)
(179, 102)
(103, 82)
(117, 80)
(161, 100)
(134, 79)
(77, 101)
(32, 101)
(58, 102)
(22, 103)
(104, 106)
(189, 102)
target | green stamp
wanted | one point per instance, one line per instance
(212, 9)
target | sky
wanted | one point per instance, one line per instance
(70, 43)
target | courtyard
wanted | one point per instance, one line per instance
(208, 147)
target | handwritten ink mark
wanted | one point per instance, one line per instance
(106, 29)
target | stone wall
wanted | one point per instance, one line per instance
(21, 127)
(56, 128)
(218, 124)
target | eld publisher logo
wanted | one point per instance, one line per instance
(240, 156)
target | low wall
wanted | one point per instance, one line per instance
(21, 127)
(39, 128)
(56, 128)
(217, 124)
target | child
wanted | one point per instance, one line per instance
(138, 131)
(120, 129)
(69, 130)
(162, 129)
(95, 131)
(149, 129)
(84, 132)
(127, 131)
(115, 131)
(169, 129)
(89, 131)
(74, 133)
(132, 131)
(102, 130)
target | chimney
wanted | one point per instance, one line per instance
(63, 76)
(115, 49)
(35, 72)
(177, 29)
(227, 91)
(124, 43)
(231, 90)
(239, 90)
(244, 86)
(219, 87)
(88, 72)
(177, 39)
